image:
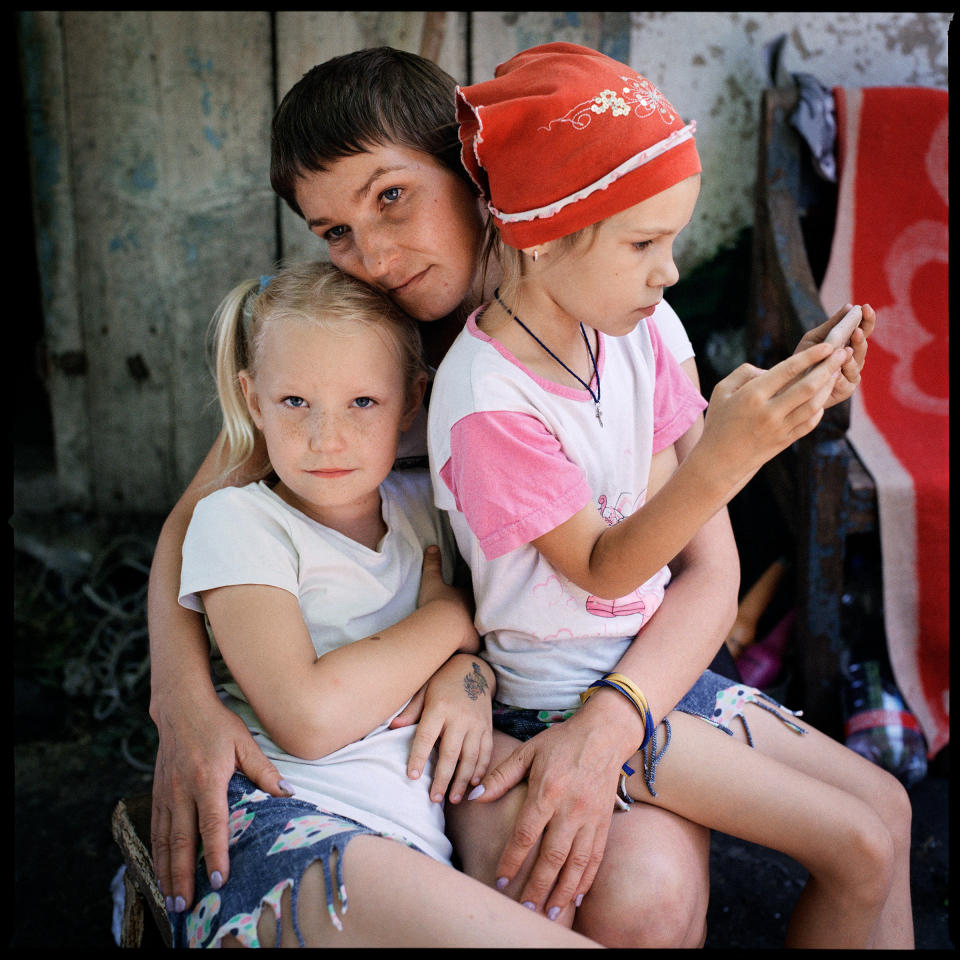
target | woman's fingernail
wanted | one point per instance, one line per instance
(179, 905)
(454, 797)
(216, 879)
(477, 791)
(168, 903)
(502, 882)
(553, 913)
(529, 904)
(578, 900)
(285, 786)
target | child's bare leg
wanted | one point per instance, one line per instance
(401, 898)
(479, 832)
(713, 779)
(820, 756)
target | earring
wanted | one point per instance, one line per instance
(536, 253)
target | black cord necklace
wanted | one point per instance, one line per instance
(593, 396)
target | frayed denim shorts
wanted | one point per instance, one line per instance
(272, 842)
(713, 698)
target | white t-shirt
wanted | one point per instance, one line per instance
(241, 535)
(513, 456)
(413, 443)
(672, 332)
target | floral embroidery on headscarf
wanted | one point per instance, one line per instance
(639, 94)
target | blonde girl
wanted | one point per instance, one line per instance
(553, 424)
(323, 585)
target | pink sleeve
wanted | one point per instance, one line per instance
(498, 462)
(676, 402)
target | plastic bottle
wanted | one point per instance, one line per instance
(878, 725)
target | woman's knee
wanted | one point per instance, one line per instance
(663, 905)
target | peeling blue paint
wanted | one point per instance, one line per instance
(125, 242)
(205, 103)
(191, 252)
(144, 175)
(198, 66)
(213, 137)
(615, 36)
(45, 150)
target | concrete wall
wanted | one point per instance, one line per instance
(149, 153)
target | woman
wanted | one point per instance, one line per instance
(376, 173)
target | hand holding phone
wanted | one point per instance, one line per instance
(842, 330)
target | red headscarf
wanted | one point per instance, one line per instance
(564, 137)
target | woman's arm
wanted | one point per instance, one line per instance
(201, 742)
(313, 706)
(572, 767)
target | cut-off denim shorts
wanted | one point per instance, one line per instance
(713, 698)
(272, 842)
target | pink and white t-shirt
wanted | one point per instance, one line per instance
(512, 456)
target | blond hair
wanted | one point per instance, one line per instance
(510, 260)
(312, 292)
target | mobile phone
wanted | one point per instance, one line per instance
(843, 329)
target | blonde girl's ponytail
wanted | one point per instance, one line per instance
(230, 334)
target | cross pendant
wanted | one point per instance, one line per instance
(599, 416)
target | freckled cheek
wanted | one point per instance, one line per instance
(289, 432)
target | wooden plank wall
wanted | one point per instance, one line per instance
(148, 137)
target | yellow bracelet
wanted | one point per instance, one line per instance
(628, 684)
(623, 684)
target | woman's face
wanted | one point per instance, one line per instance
(398, 219)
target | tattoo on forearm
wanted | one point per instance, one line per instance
(475, 683)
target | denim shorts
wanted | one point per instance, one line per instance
(713, 698)
(272, 842)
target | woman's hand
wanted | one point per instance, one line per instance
(196, 758)
(847, 384)
(453, 712)
(572, 770)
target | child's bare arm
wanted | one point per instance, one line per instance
(312, 706)
(453, 713)
(753, 415)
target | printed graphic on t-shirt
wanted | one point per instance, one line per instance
(648, 596)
